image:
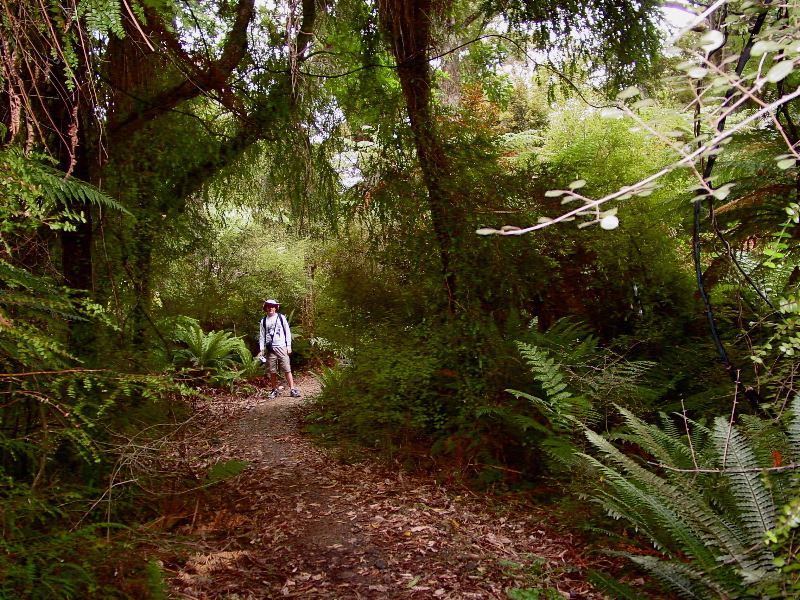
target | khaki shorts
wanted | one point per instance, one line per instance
(278, 356)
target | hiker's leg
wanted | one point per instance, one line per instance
(285, 365)
(272, 359)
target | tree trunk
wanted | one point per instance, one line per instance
(408, 25)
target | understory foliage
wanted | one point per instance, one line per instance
(686, 290)
(406, 389)
(577, 383)
(340, 156)
(60, 421)
(718, 500)
(215, 357)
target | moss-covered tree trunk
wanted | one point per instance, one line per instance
(408, 26)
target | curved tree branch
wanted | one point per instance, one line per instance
(203, 78)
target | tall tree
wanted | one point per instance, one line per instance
(126, 77)
(411, 28)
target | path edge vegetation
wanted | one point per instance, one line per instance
(101, 205)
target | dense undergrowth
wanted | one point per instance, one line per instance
(645, 360)
(80, 426)
(698, 489)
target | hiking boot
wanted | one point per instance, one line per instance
(294, 393)
(273, 394)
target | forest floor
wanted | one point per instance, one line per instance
(299, 523)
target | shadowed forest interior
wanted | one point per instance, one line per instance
(546, 251)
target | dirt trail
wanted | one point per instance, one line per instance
(297, 523)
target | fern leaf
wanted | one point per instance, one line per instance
(665, 511)
(657, 442)
(793, 427)
(683, 579)
(693, 510)
(755, 502)
(616, 588)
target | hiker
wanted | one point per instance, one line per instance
(275, 346)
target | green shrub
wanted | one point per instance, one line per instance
(422, 393)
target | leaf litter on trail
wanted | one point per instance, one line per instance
(297, 523)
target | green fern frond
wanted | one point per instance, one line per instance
(694, 511)
(582, 365)
(719, 520)
(561, 452)
(652, 439)
(566, 333)
(580, 410)
(662, 506)
(683, 579)
(65, 191)
(515, 420)
(768, 439)
(563, 408)
(251, 367)
(667, 442)
(206, 350)
(702, 440)
(620, 507)
(51, 184)
(489, 411)
(544, 368)
(103, 16)
(739, 462)
(617, 589)
(793, 428)
(670, 427)
(524, 422)
(586, 347)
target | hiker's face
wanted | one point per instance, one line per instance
(271, 309)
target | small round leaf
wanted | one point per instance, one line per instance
(712, 40)
(611, 113)
(697, 72)
(628, 93)
(609, 222)
(780, 71)
(577, 184)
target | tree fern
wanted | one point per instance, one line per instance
(40, 191)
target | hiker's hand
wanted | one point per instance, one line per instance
(288, 350)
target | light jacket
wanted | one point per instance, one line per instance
(281, 335)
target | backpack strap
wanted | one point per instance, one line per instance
(285, 328)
